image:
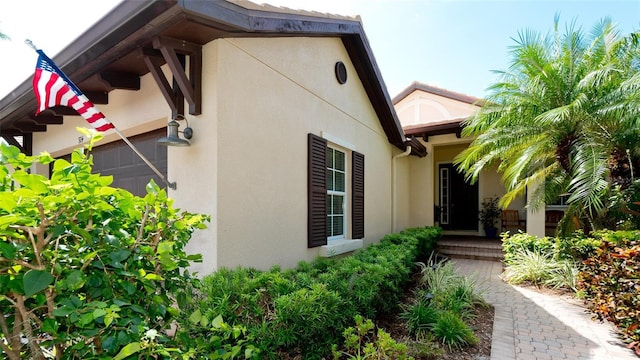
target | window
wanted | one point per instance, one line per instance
(336, 194)
(329, 194)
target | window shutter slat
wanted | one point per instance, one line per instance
(317, 191)
(357, 205)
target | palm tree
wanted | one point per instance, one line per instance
(565, 114)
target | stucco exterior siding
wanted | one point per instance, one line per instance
(195, 168)
(276, 91)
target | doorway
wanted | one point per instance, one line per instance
(458, 200)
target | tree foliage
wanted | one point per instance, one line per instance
(87, 271)
(565, 114)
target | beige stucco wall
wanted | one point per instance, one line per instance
(247, 166)
(276, 91)
(421, 107)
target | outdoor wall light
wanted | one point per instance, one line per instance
(173, 137)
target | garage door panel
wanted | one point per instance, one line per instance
(126, 157)
(128, 170)
(108, 158)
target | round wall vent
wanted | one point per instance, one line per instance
(341, 72)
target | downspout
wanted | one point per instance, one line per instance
(394, 176)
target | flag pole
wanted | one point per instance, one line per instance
(171, 185)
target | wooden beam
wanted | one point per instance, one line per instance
(120, 80)
(97, 97)
(61, 111)
(27, 143)
(154, 63)
(47, 119)
(11, 140)
(191, 86)
(29, 127)
(25, 146)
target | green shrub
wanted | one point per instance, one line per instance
(310, 319)
(420, 316)
(363, 342)
(87, 270)
(299, 312)
(578, 246)
(452, 330)
(223, 341)
(427, 239)
(516, 243)
(611, 283)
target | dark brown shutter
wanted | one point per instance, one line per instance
(357, 205)
(317, 192)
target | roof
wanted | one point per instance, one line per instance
(437, 91)
(110, 51)
(450, 126)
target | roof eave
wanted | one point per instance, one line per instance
(135, 21)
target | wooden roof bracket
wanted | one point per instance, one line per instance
(185, 87)
(25, 146)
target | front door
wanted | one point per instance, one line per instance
(458, 200)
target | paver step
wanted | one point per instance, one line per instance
(459, 246)
(469, 244)
(469, 253)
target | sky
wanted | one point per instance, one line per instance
(453, 45)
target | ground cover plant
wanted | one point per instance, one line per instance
(302, 312)
(87, 271)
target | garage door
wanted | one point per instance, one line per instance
(128, 170)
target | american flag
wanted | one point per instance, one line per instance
(52, 88)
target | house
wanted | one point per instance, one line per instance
(296, 152)
(438, 193)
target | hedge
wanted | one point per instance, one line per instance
(303, 311)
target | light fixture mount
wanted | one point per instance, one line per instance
(173, 137)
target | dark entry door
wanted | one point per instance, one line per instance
(458, 200)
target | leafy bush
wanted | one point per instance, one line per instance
(299, 312)
(362, 342)
(87, 270)
(224, 340)
(578, 246)
(309, 319)
(611, 282)
(516, 243)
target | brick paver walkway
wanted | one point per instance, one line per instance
(532, 325)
